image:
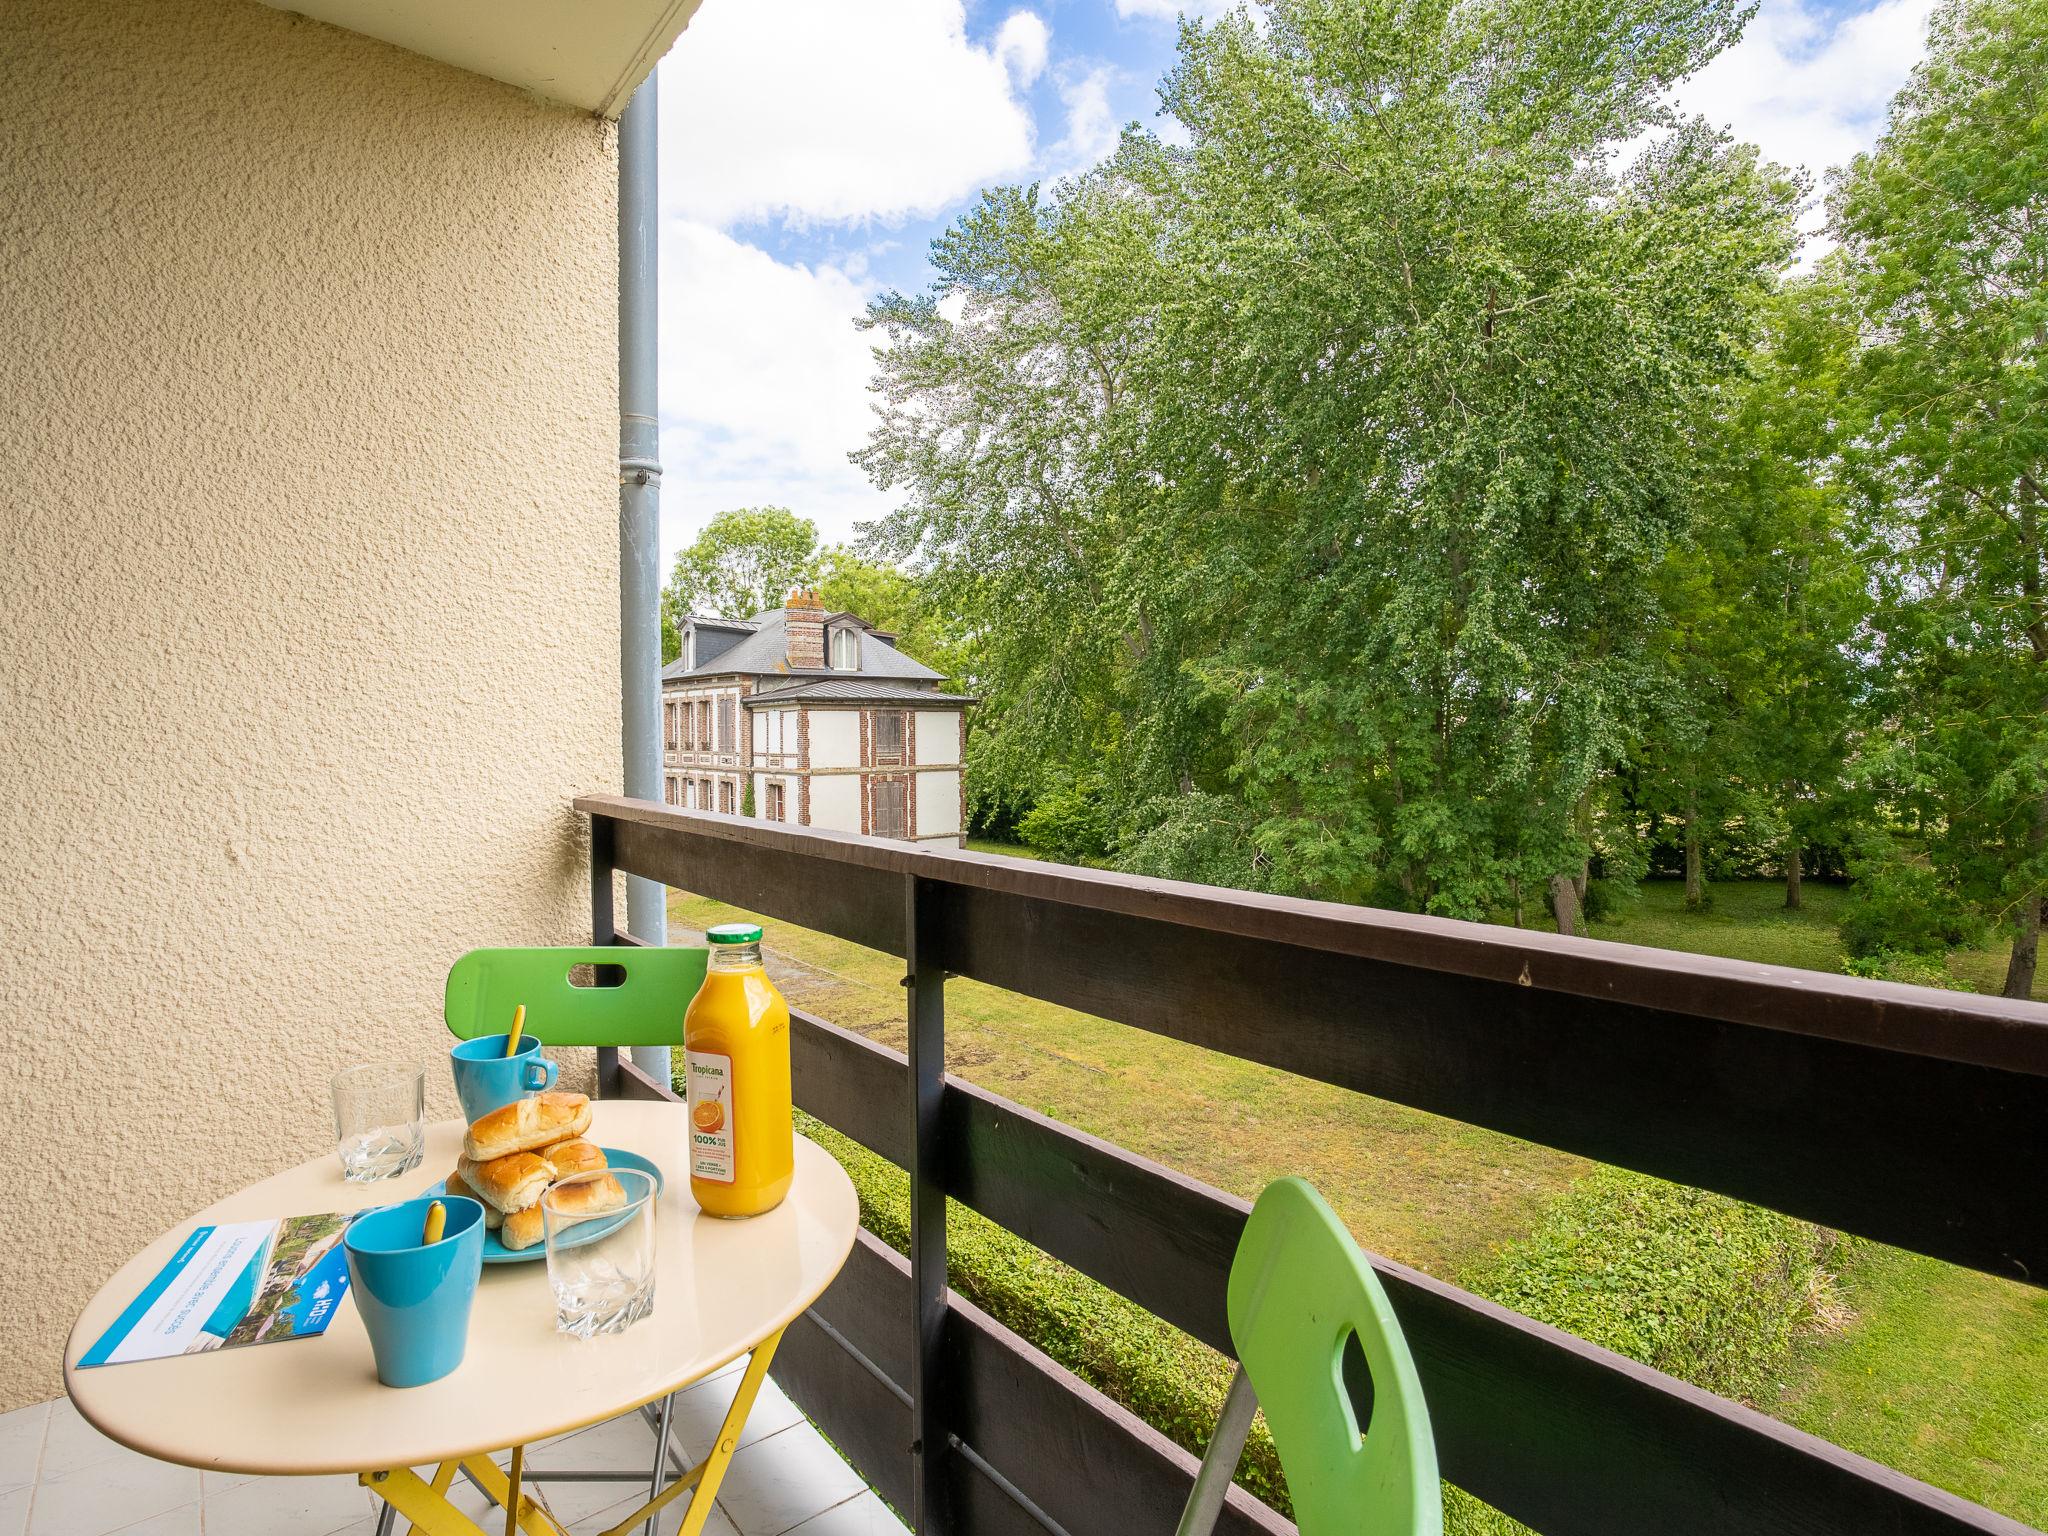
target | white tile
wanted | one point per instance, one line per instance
(287, 1506)
(702, 1409)
(213, 1484)
(862, 1515)
(21, 1445)
(172, 1522)
(72, 1443)
(14, 1511)
(783, 1480)
(108, 1494)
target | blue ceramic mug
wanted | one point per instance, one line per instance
(487, 1079)
(414, 1297)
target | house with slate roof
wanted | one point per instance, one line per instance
(829, 723)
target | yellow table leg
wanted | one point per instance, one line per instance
(444, 1475)
(426, 1506)
(710, 1472)
(530, 1517)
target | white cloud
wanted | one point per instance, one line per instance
(827, 110)
(1808, 89)
(763, 386)
(1092, 124)
(1021, 43)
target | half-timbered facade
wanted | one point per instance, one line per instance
(813, 718)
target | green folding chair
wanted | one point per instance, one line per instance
(1319, 1349)
(645, 1007)
(646, 994)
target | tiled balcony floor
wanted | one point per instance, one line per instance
(61, 1477)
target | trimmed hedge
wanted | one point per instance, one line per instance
(1699, 1286)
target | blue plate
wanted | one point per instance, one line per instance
(496, 1252)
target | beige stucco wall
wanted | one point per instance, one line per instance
(938, 804)
(308, 555)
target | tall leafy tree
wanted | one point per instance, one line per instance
(1944, 245)
(1321, 463)
(744, 560)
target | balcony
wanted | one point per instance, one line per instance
(1916, 1118)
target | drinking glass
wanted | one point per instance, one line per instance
(600, 1252)
(380, 1119)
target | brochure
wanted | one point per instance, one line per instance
(245, 1282)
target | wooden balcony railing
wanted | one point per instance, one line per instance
(1914, 1117)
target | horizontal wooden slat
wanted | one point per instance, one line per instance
(1842, 1123)
(1955, 1026)
(1082, 1460)
(1571, 1439)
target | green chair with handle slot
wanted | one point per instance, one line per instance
(1319, 1349)
(640, 1002)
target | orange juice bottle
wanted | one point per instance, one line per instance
(736, 1054)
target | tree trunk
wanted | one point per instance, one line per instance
(1564, 905)
(1794, 873)
(1515, 886)
(2026, 944)
(1695, 879)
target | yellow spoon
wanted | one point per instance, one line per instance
(437, 1222)
(518, 1027)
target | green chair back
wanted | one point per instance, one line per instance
(485, 985)
(1359, 1455)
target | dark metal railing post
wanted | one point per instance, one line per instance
(927, 1006)
(603, 930)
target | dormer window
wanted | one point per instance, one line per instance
(846, 649)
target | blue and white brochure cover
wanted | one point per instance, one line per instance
(244, 1282)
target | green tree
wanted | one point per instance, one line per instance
(744, 560)
(892, 600)
(1944, 247)
(1322, 462)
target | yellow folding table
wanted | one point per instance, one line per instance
(723, 1289)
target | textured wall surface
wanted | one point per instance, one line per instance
(308, 591)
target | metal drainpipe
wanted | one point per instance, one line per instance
(640, 505)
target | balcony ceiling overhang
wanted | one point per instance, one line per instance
(585, 53)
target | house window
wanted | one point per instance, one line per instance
(725, 796)
(669, 790)
(890, 808)
(703, 794)
(846, 650)
(888, 737)
(726, 706)
(778, 808)
(670, 727)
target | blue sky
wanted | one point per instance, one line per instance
(811, 149)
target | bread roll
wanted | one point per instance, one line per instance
(573, 1203)
(457, 1185)
(527, 1124)
(572, 1157)
(510, 1183)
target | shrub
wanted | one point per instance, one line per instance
(1699, 1286)
(1610, 898)
(1898, 904)
(1194, 837)
(1915, 970)
(1069, 824)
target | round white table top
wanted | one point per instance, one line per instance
(315, 1405)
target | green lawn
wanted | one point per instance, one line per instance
(1937, 1371)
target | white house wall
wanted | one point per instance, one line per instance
(938, 741)
(938, 800)
(835, 798)
(835, 743)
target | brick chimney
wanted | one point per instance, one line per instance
(803, 617)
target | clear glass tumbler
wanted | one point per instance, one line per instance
(380, 1119)
(600, 1235)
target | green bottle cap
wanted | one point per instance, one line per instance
(734, 933)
